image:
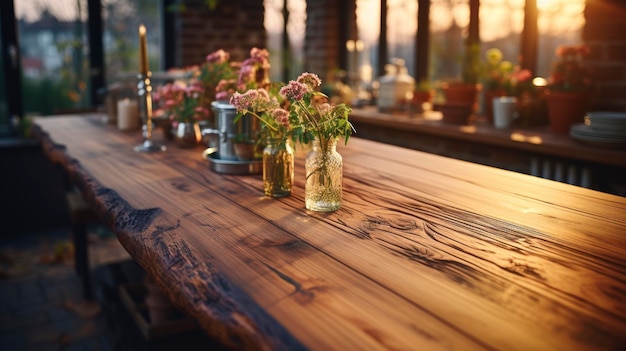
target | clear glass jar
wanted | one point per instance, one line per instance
(187, 134)
(278, 166)
(324, 176)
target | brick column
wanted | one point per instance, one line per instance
(329, 24)
(235, 26)
(604, 33)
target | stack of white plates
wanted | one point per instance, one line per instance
(607, 128)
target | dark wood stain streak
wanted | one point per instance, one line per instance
(308, 294)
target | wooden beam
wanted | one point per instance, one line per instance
(530, 34)
(422, 40)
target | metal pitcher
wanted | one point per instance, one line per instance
(221, 137)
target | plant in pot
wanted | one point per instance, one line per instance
(568, 89)
(496, 80)
(423, 94)
(182, 104)
(460, 96)
(244, 147)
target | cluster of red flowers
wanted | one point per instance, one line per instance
(569, 72)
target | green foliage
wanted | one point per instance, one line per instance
(46, 96)
(472, 69)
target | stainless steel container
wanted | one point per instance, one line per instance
(226, 130)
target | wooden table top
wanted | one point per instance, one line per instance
(426, 253)
(532, 139)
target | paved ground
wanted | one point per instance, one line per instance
(41, 307)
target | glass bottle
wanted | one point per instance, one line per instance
(278, 168)
(324, 175)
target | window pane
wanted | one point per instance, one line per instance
(560, 23)
(54, 52)
(401, 30)
(296, 28)
(449, 21)
(368, 29)
(122, 19)
(501, 25)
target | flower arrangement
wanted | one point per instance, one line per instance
(260, 104)
(222, 78)
(317, 117)
(183, 103)
(214, 73)
(496, 72)
(310, 116)
(569, 73)
(502, 76)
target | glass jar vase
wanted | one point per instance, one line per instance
(324, 175)
(278, 167)
(187, 134)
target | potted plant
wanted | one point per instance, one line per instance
(460, 96)
(568, 88)
(466, 90)
(183, 105)
(244, 147)
(422, 94)
(496, 80)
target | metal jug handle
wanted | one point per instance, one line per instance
(221, 133)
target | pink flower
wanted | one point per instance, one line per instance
(170, 104)
(281, 116)
(310, 79)
(219, 56)
(294, 90)
(523, 75)
(221, 95)
(243, 102)
(324, 108)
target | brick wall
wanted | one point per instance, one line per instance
(235, 26)
(604, 33)
(329, 24)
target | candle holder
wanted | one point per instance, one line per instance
(144, 95)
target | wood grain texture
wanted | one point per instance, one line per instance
(425, 253)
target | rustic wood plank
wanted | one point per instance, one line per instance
(426, 252)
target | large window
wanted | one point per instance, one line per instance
(121, 20)
(501, 23)
(286, 62)
(55, 50)
(54, 53)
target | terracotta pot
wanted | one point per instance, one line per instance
(461, 93)
(244, 151)
(454, 113)
(565, 109)
(420, 98)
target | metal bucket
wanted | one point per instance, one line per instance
(225, 131)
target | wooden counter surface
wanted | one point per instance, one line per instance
(536, 140)
(426, 253)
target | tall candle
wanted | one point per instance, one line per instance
(143, 50)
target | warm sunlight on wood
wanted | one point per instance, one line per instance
(533, 139)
